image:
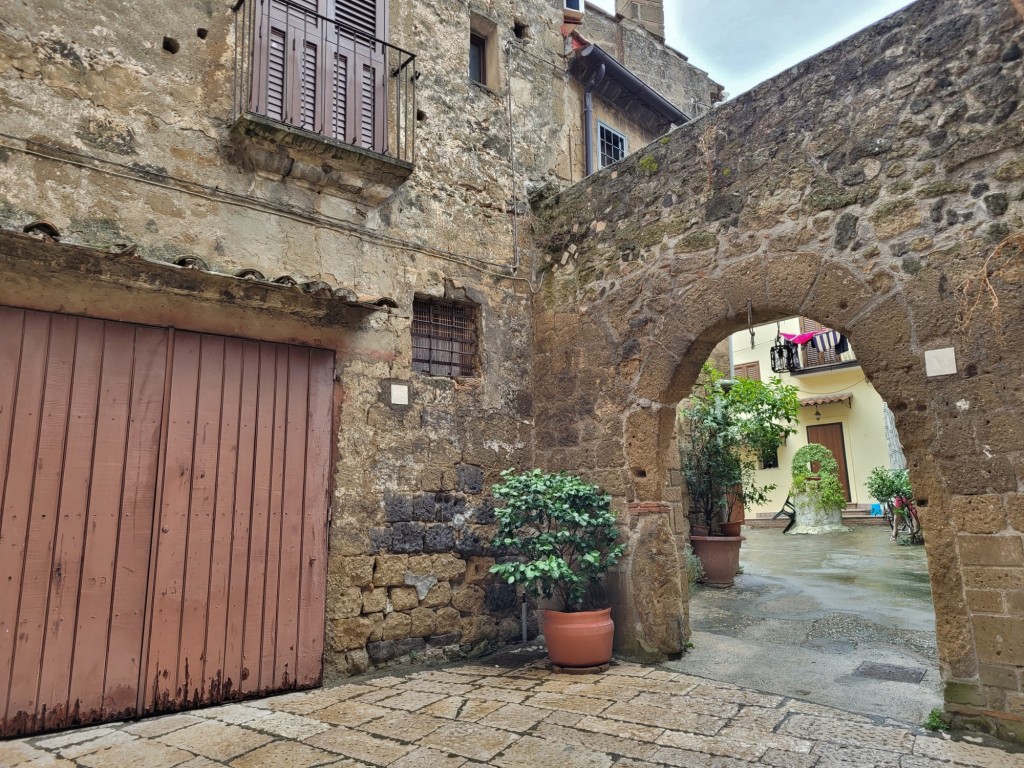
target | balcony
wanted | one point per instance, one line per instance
(322, 100)
(813, 361)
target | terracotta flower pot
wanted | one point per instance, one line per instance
(720, 557)
(732, 528)
(581, 639)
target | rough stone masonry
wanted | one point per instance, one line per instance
(877, 188)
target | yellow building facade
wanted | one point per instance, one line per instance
(839, 409)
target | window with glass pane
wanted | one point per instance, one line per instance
(611, 145)
(477, 60)
(444, 338)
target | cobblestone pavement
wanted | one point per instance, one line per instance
(632, 716)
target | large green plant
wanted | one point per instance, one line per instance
(821, 484)
(561, 532)
(887, 485)
(720, 427)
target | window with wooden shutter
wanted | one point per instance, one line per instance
(812, 356)
(444, 338)
(318, 66)
(748, 371)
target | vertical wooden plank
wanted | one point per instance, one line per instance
(252, 644)
(135, 527)
(272, 563)
(167, 581)
(14, 514)
(43, 514)
(195, 609)
(291, 522)
(62, 611)
(12, 325)
(104, 505)
(316, 503)
(214, 673)
(241, 520)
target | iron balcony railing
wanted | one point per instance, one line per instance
(322, 75)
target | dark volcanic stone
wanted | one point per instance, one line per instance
(382, 650)
(846, 230)
(398, 509)
(407, 537)
(470, 478)
(380, 540)
(500, 597)
(439, 538)
(997, 203)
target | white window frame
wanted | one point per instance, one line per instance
(600, 156)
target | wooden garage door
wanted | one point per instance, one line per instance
(163, 512)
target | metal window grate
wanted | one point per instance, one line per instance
(611, 145)
(444, 338)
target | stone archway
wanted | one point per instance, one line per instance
(876, 188)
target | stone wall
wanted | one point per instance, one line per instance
(115, 139)
(876, 188)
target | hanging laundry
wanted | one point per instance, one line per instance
(798, 338)
(830, 341)
(825, 341)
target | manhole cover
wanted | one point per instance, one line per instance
(889, 672)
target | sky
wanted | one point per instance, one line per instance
(741, 43)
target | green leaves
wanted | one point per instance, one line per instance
(561, 530)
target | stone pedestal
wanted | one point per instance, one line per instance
(811, 518)
(649, 590)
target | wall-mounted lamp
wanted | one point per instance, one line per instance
(817, 414)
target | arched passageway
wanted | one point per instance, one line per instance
(877, 189)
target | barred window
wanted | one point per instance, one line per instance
(444, 338)
(611, 145)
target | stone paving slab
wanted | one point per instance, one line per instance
(634, 716)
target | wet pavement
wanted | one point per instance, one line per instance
(809, 611)
(516, 716)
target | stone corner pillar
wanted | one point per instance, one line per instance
(649, 590)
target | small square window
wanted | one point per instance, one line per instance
(611, 145)
(444, 338)
(477, 59)
(770, 461)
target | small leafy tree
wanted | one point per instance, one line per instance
(720, 429)
(887, 485)
(822, 484)
(562, 532)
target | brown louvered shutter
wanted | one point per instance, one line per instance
(748, 371)
(288, 66)
(359, 24)
(812, 356)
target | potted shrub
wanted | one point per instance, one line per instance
(891, 488)
(723, 425)
(562, 538)
(817, 492)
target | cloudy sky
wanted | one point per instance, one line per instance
(741, 43)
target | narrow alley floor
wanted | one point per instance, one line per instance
(844, 620)
(519, 716)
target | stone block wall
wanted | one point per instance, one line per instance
(876, 188)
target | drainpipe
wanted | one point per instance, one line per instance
(588, 119)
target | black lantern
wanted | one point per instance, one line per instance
(785, 357)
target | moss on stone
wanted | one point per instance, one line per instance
(648, 165)
(900, 187)
(696, 241)
(827, 195)
(896, 169)
(924, 169)
(1010, 171)
(940, 188)
(891, 208)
